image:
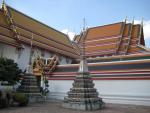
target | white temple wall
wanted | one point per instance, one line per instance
(68, 60)
(62, 60)
(23, 59)
(135, 92)
(8, 52)
(47, 54)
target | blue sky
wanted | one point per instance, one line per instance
(67, 15)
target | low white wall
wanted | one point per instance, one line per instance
(135, 92)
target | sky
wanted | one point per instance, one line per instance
(67, 15)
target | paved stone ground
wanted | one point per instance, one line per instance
(55, 107)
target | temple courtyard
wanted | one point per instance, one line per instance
(55, 107)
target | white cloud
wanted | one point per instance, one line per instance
(147, 33)
(147, 29)
(69, 33)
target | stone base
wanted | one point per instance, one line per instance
(35, 99)
(84, 106)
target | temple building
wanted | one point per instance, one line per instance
(19, 31)
(118, 61)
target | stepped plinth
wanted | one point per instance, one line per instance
(83, 95)
(30, 88)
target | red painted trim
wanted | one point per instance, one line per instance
(61, 73)
(101, 64)
(93, 40)
(103, 44)
(102, 51)
(102, 54)
(127, 71)
(121, 78)
(100, 73)
(105, 37)
(122, 56)
(99, 52)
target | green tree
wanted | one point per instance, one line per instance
(9, 71)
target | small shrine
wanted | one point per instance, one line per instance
(83, 95)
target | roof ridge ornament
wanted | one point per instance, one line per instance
(142, 22)
(4, 6)
(133, 21)
(125, 20)
(84, 25)
(3, 3)
(10, 21)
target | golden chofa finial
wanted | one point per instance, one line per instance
(3, 5)
(3, 1)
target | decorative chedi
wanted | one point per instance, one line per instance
(83, 95)
(29, 85)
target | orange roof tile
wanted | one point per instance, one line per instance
(102, 31)
(103, 40)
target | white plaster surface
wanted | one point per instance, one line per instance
(135, 92)
(8, 52)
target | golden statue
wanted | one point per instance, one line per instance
(39, 64)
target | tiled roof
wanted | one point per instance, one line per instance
(43, 36)
(104, 31)
(113, 39)
(6, 36)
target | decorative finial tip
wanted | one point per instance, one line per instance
(84, 24)
(142, 21)
(133, 21)
(3, 4)
(125, 20)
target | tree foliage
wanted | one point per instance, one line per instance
(9, 71)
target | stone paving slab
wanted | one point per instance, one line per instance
(55, 107)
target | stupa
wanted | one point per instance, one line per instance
(29, 85)
(83, 95)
